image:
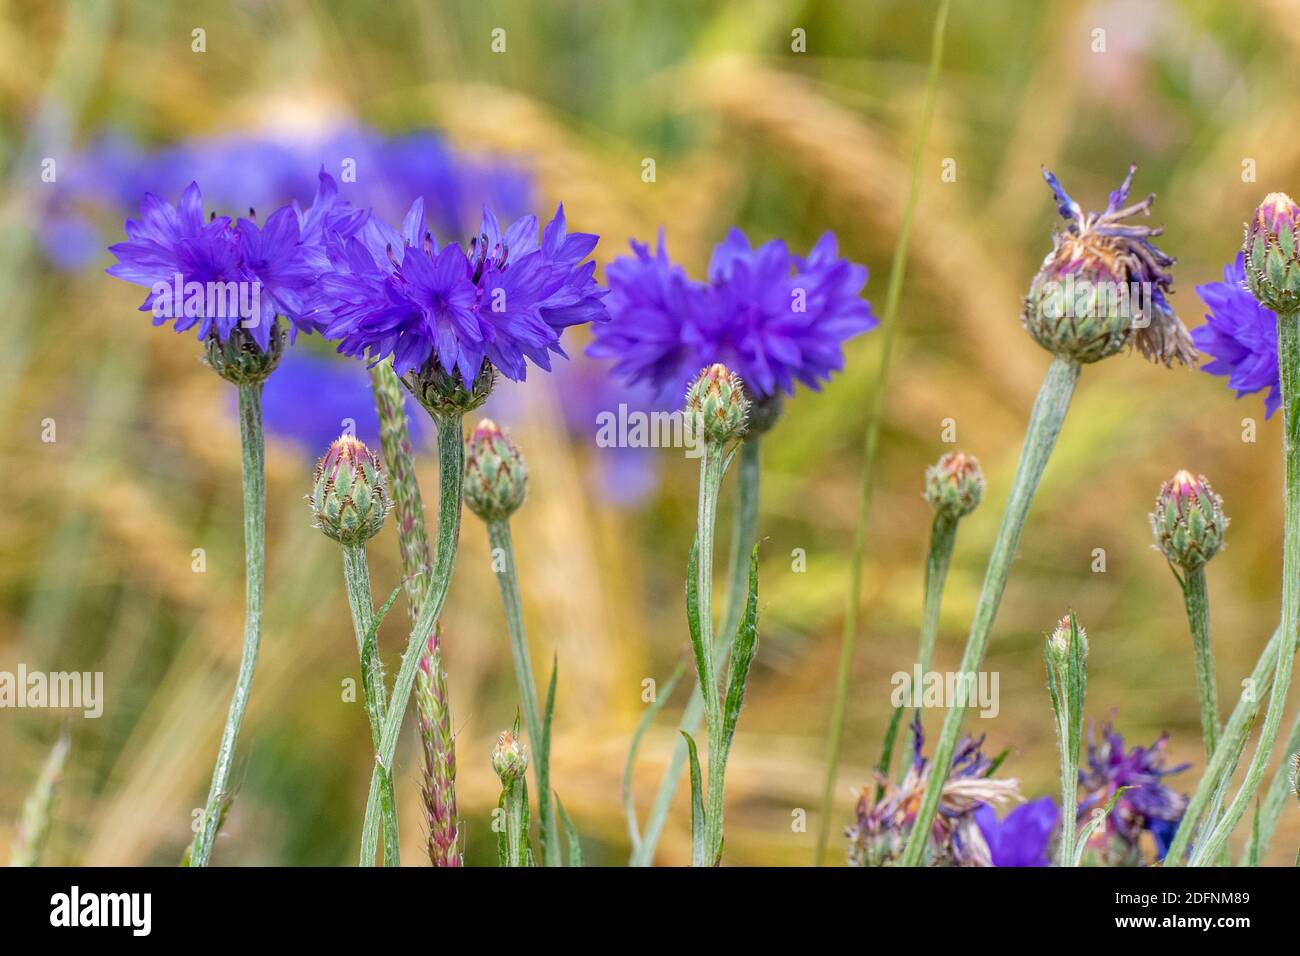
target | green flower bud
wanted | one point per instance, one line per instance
(1059, 641)
(496, 481)
(443, 393)
(349, 498)
(240, 360)
(1188, 522)
(955, 485)
(1272, 254)
(509, 757)
(716, 404)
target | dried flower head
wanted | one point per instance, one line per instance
(884, 823)
(1105, 285)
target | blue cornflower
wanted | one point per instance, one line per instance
(214, 274)
(505, 300)
(775, 318)
(1024, 836)
(1240, 335)
(1149, 805)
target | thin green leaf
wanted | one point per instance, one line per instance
(742, 656)
(887, 749)
(1094, 823)
(629, 804)
(697, 803)
(544, 764)
(571, 833)
(1253, 857)
(693, 616)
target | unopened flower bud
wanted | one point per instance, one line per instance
(496, 481)
(1272, 256)
(509, 757)
(717, 405)
(955, 485)
(349, 498)
(443, 393)
(1059, 641)
(240, 360)
(1188, 521)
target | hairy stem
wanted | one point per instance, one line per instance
(1040, 438)
(356, 574)
(1280, 793)
(943, 535)
(713, 465)
(871, 439)
(744, 533)
(508, 581)
(1197, 600)
(1288, 354)
(254, 482)
(451, 456)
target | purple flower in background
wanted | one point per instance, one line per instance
(1240, 335)
(506, 299)
(775, 318)
(214, 274)
(886, 811)
(1024, 836)
(1149, 805)
(381, 172)
(312, 399)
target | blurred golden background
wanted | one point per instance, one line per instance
(99, 526)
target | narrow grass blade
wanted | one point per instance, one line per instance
(570, 832)
(1093, 824)
(697, 804)
(662, 696)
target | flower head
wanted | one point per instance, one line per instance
(1024, 836)
(716, 404)
(775, 318)
(1148, 806)
(496, 481)
(503, 300)
(1105, 285)
(885, 822)
(1188, 521)
(955, 484)
(349, 496)
(218, 275)
(1240, 335)
(1272, 253)
(509, 757)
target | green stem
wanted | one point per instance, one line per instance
(433, 697)
(502, 545)
(1232, 742)
(451, 456)
(254, 482)
(356, 574)
(713, 465)
(1288, 352)
(943, 535)
(1040, 437)
(1279, 793)
(744, 533)
(871, 439)
(408, 506)
(1197, 600)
